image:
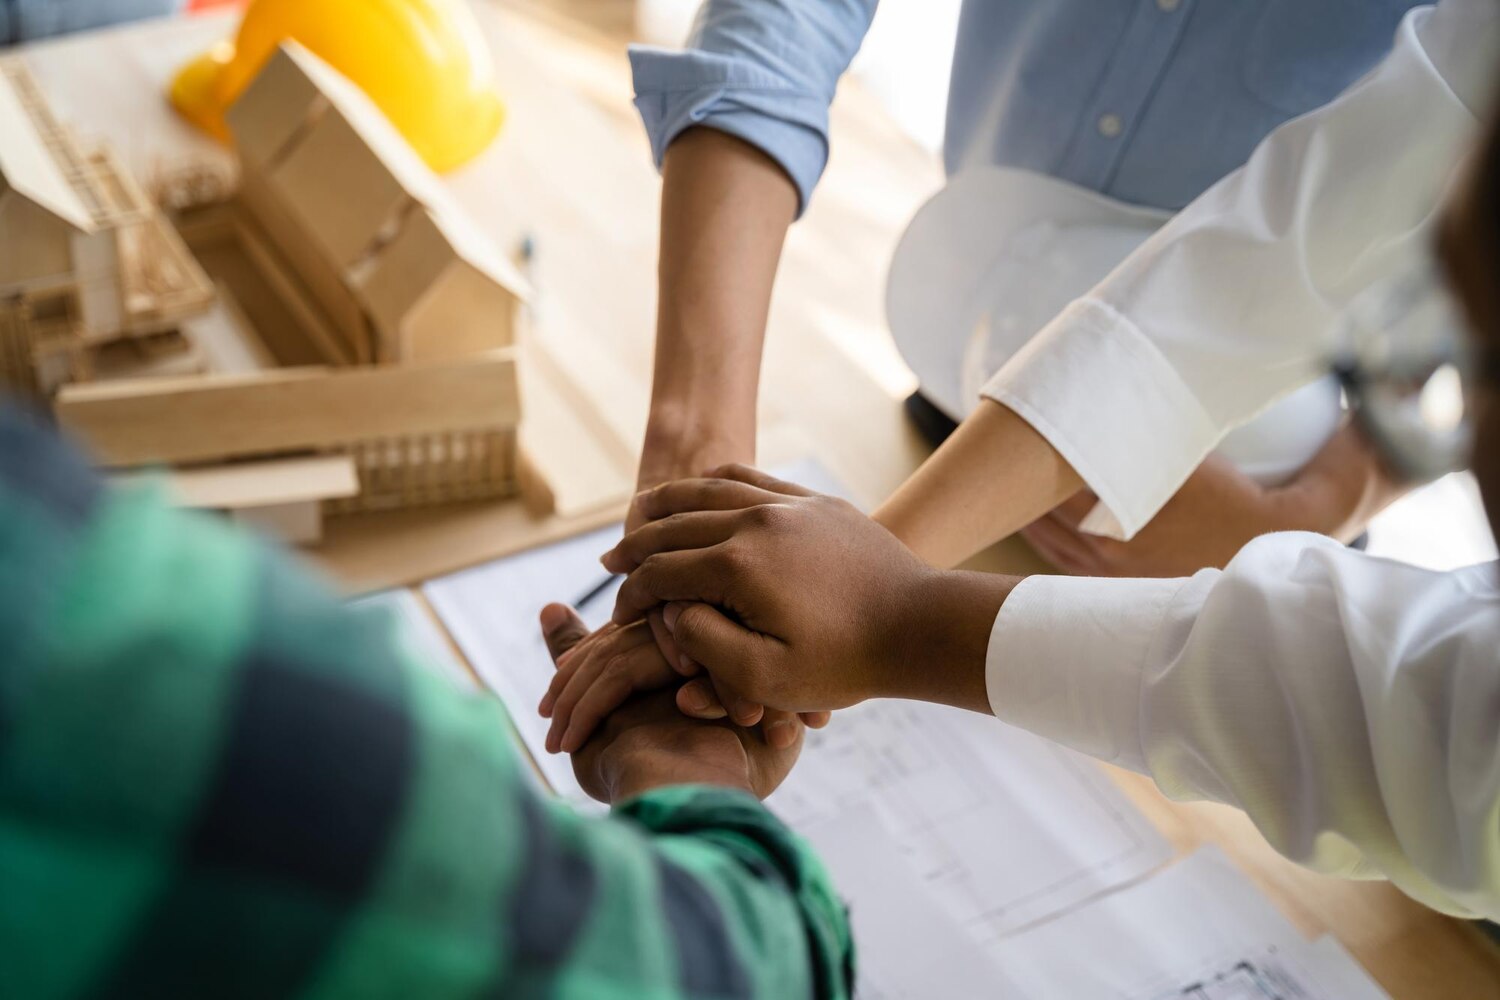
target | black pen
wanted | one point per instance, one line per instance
(595, 591)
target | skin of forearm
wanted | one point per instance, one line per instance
(726, 207)
(1341, 489)
(994, 476)
(947, 624)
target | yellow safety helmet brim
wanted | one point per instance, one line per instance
(195, 91)
(423, 62)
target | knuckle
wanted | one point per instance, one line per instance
(765, 518)
(615, 668)
(649, 569)
(731, 561)
(690, 623)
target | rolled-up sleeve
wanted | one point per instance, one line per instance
(1233, 303)
(764, 71)
(1346, 703)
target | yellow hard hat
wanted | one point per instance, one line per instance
(424, 62)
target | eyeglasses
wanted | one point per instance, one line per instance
(1410, 371)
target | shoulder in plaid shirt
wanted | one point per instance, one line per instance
(216, 781)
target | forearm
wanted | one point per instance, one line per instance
(726, 208)
(946, 629)
(995, 475)
(1340, 490)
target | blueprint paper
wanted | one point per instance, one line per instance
(1198, 930)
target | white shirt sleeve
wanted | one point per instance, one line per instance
(1231, 305)
(1349, 705)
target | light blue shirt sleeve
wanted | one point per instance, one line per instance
(762, 70)
(26, 20)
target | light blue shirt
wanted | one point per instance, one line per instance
(1147, 101)
(27, 20)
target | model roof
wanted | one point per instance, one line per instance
(28, 166)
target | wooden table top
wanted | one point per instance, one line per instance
(572, 169)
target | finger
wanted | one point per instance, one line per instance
(674, 533)
(567, 665)
(754, 477)
(708, 698)
(562, 628)
(742, 711)
(688, 495)
(641, 669)
(582, 672)
(698, 699)
(579, 668)
(693, 575)
(668, 646)
(780, 728)
(728, 651)
(1073, 510)
(704, 633)
(816, 720)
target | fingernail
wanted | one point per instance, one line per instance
(689, 665)
(554, 617)
(781, 735)
(670, 615)
(695, 698)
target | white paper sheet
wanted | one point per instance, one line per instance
(909, 947)
(1003, 828)
(1198, 930)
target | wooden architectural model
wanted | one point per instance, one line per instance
(362, 350)
(93, 279)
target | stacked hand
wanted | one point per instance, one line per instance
(782, 597)
(645, 742)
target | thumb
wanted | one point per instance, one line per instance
(707, 636)
(728, 651)
(562, 628)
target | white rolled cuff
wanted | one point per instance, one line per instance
(1066, 658)
(1114, 407)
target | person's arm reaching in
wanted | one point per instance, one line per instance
(1343, 701)
(738, 124)
(725, 211)
(1224, 310)
(1220, 509)
(215, 773)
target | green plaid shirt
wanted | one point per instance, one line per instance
(216, 781)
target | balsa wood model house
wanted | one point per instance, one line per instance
(368, 356)
(94, 282)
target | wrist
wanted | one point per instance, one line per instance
(628, 773)
(941, 634)
(683, 441)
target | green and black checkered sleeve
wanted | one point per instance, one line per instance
(216, 781)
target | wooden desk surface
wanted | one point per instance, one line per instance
(572, 169)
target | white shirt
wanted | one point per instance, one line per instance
(1350, 705)
(1232, 304)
